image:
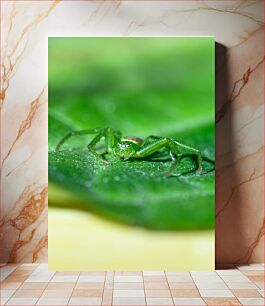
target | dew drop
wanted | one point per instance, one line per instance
(110, 107)
(105, 180)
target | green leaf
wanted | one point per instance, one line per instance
(140, 86)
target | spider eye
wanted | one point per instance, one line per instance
(124, 145)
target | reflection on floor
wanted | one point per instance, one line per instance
(33, 284)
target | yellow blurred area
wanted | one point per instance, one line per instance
(79, 240)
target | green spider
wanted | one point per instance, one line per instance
(136, 148)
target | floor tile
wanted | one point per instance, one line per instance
(71, 273)
(64, 278)
(41, 274)
(129, 286)
(177, 273)
(91, 279)
(242, 285)
(156, 285)
(85, 301)
(251, 301)
(24, 270)
(60, 286)
(87, 293)
(128, 273)
(210, 278)
(179, 278)
(86, 286)
(3, 300)
(128, 279)
(39, 278)
(246, 293)
(128, 301)
(261, 292)
(235, 278)
(107, 297)
(155, 278)
(28, 266)
(215, 301)
(251, 267)
(109, 280)
(157, 293)
(28, 293)
(43, 266)
(256, 278)
(6, 271)
(40, 286)
(6, 293)
(260, 285)
(10, 285)
(109, 275)
(53, 301)
(93, 273)
(22, 301)
(189, 301)
(252, 272)
(182, 286)
(16, 278)
(153, 273)
(56, 294)
(109, 285)
(128, 293)
(159, 301)
(202, 273)
(232, 272)
(216, 293)
(211, 285)
(185, 293)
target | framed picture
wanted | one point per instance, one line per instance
(131, 153)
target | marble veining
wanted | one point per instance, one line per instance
(238, 27)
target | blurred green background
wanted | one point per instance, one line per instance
(140, 86)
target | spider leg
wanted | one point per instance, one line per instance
(195, 153)
(175, 159)
(92, 144)
(199, 162)
(151, 148)
(77, 133)
(149, 139)
(161, 143)
(177, 150)
(112, 137)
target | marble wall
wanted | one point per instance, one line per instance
(238, 28)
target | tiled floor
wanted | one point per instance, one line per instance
(33, 284)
